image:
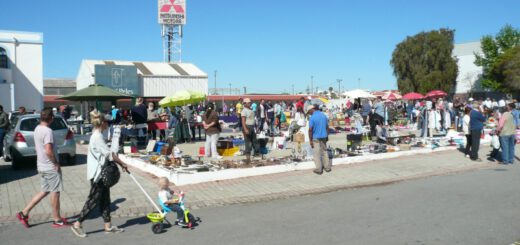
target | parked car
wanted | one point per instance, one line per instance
(19, 141)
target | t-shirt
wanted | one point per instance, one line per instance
(165, 195)
(139, 114)
(262, 111)
(249, 115)
(212, 117)
(253, 107)
(239, 108)
(319, 125)
(42, 136)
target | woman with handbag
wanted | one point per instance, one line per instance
(102, 173)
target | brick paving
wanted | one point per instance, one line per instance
(17, 187)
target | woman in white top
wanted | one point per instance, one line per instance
(98, 153)
(465, 129)
(298, 121)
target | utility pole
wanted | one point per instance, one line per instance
(339, 86)
(245, 90)
(293, 88)
(230, 89)
(312, 85)
(215, 79)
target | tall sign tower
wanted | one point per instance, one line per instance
(172, 17)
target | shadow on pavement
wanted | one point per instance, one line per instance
(135, 221)
(8, 174)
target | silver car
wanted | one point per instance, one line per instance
(19, 141)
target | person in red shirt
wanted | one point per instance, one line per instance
(300, 103)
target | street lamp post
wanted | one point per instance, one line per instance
(215, 80)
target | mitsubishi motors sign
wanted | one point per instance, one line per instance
(172, 12)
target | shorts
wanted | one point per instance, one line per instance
(51, 181)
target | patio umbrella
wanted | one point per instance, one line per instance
(358, 93)
(182, 98)
(392, 96)
(436, 94)
(95, 92)
(413, 96)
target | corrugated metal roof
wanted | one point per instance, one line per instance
(154, 68)
(140, 66)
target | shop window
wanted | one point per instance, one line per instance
(3, 58)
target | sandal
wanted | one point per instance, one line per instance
(113, 230)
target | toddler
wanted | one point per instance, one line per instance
(170, 201)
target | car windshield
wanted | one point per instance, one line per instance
(31, 123)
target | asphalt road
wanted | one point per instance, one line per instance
(481, 207)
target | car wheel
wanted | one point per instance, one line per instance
(17, 159)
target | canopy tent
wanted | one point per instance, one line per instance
(95, 92)
(358, 93)
(182, 98)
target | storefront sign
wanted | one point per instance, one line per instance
(122, 79)
(172, 12)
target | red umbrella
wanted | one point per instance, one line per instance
(392, 96)
(436, 94)
(413, 96)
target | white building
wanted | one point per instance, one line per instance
(154, 79)
(21, 70)
(469, 77)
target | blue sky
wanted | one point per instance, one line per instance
(266, 45)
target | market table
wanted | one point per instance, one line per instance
(158, 125)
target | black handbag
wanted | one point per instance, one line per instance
(109, 175)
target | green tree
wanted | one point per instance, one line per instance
(424, 62)
(507, 69)
(493, 48)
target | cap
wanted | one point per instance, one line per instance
(247, 100)
(310, 107)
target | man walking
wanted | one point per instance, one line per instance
(318, 136)
(49, 169)
(476, 124)
(248, 122)
(4, 124)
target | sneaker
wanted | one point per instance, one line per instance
(60, 224)
(477, 160)
(328, 170)
(317, 172)
(467, 156)
(181, 223)
(78, 231)
(113, 230)
(24, 219)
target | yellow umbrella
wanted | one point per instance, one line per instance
(325, 101)
(182, 98)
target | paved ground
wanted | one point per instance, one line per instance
(477, 207)
(17, 187)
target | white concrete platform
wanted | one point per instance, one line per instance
(184, 178)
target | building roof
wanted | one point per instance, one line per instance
(162, 69)
(59, 83)
(257, 97)
(464, 49)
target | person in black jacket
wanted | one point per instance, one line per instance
(140, 118)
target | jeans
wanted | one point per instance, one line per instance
(210, 148)
(177, 209)
(250, 141)
(2, 136)
(261, 126)
(508, 148)
(475, 143)
(468, 144)
(320, 155)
